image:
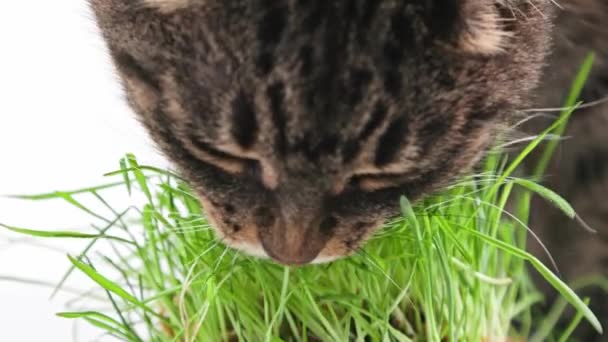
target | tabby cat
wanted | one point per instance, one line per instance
(301, 122)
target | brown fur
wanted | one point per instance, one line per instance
(300, 123)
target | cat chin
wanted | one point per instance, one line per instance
(249, 249)
(323, 259)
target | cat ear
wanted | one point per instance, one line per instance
(482, 29)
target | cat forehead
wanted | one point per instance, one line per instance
(479, 22)
(288, 60)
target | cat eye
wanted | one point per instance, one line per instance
(374, 182)
(225, 161)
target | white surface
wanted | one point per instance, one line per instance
(63, 123)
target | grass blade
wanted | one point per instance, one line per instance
(566, 292)
(104, 282)
(549, 195)
(50, 234)
(62, 234)
(573, 324)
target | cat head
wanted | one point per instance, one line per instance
(301, 123)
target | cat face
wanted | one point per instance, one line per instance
(301, 123)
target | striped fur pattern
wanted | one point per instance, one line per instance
(301, 122)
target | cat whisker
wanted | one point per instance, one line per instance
(525, 226)
(548, 137)
(536, 115)
(562, 109)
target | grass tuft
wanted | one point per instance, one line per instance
(452, 267)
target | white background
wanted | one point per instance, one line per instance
(63, 123)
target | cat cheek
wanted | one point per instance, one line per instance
(141, 85)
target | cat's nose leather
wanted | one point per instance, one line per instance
(293, 244)
(291, 256)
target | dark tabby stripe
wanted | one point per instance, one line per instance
(353, 146)
(444, 18)
(391, 141)
(306, 56)
(129, 66)
(276, 95)
(393, 82)
(244, 126)
(328, 224)
(400, 36)
(313, 20)
(270, 31)
(350, 150)
(333, 44)
(399, 39)
(264, 62)
(356, 85)
(375, 120)
(436, 127)
(368, 13)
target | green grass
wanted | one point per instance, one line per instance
(452, 267)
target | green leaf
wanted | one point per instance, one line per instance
(101, 321)
(566, 292)
(565, 337)
(125, 174)
(56, 234)
(156, 170)
(549, 195)
(139, 177)
(61, 194)
(570, 105)
(89, 314)
(50, 234)
(407, 211)
(103, 281)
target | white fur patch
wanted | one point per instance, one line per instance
(323, 259)
(249, 248)
(484, 34)
(256, 250)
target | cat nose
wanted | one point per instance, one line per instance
(294, 243)
(293, 255)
